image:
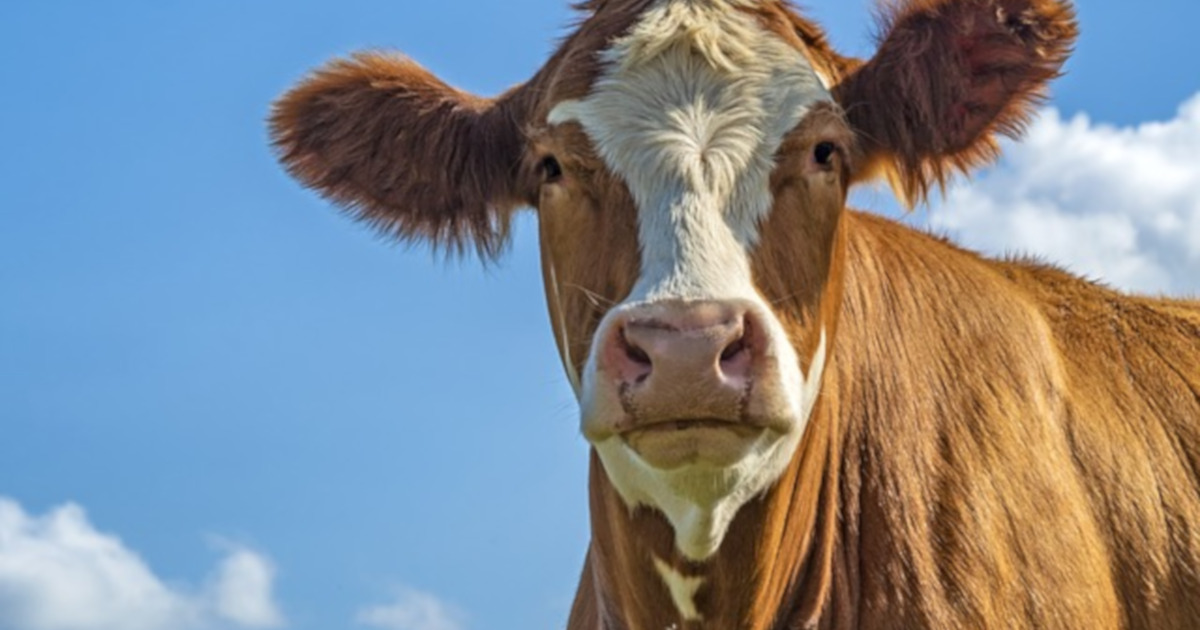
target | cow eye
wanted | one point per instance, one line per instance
(551, 170)
(824, 153)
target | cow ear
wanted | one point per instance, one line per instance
(404, 152)
(948, 77)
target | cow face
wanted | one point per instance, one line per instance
(689, 202)
(689, 161)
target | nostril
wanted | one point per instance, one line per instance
(634, 353)
(737, 358)
(733, 350)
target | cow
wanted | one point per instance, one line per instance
(801, 415)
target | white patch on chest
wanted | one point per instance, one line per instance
(683, 590)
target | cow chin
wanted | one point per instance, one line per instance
(698, 480)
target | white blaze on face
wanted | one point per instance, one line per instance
(694, 103)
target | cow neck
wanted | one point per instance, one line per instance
(777, 557)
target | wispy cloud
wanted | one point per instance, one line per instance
(412, 610)
(58, 572)
(1121, 204)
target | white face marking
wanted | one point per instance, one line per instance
(683, 590)
(695, 102)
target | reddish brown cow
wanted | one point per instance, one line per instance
(802, 415)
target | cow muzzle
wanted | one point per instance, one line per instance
(691, 382)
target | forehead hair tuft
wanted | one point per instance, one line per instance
(693, 24)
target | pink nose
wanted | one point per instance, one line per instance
(684, 359)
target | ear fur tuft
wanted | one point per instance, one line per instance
(404, 152)
(949, 76)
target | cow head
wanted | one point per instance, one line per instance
(689, 161)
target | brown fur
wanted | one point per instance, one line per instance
(997, 444)
(405, 152)
(957, 72)
(1012, 475)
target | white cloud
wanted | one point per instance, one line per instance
(241, 590)
(1119, 204)
(57, 572)
(412, 610)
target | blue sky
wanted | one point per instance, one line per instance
(266, 416)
